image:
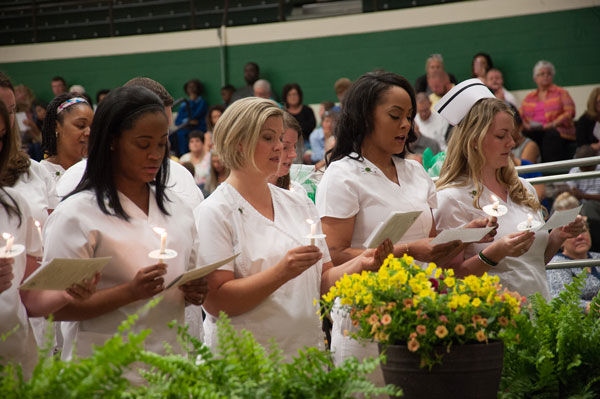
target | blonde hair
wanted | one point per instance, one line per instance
(464, 162)
(237, 130)
(591, 104)
(565, 201)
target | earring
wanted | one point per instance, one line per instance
(112, 148)
(56, 132)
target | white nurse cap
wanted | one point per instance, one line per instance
(455, 104)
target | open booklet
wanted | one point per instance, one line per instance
(61, 273)
(199, 272)
(561, 218)
(463, 234)
(394, 227)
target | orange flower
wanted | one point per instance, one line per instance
(441, 331)
(443, 319)
(413, 335)
(413, 345)
(503, 321)
(373, 319)
(386, 319)
(459, 329)
(421, 329)
(408, 302)
(391, 305)
(480, 335)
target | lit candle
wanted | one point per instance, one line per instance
(9, 241)
(163, 238)
(313, 230)
(39, 229)
(529, 219)
(496, 202)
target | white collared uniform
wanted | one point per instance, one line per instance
(228, 224)
(525, 274)
(352, 188)
(20, 345)
(79, 229)
(55, 170)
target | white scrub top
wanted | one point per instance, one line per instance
(180, 182)
(79, 229)
(525, 274)
(55, 170)
(359, 189)
(39, 190)
(228, 224)
(20, 345)
(354, 188)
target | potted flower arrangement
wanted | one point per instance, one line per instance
(440, 333)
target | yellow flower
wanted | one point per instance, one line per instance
(459, 329)
(480, 335)
(450, 282)
(463, 300)
(413, 345)
(421, 329)
(438, 273)
(441, 331)
(430, 269)
(346, 301)
(386, 319)
(450, 272)
(476, 302)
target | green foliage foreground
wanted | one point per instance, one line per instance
(242, 369)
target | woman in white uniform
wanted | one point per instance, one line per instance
(65, 133)
(15, 306)
(292, 133)
(270, 287)
(112, 212)
(478, 165)
(367, 180)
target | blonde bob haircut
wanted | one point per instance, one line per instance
(464, 161)
(237, 131)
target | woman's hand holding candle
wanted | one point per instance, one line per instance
(6, 273)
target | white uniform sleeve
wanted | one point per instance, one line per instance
(337, 194)
(53, 198)
(450, 213)
(33, 241)
(215, 236)
(66, 237)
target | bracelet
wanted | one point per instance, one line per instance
(487, 260)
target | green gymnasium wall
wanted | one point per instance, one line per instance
(569, 39)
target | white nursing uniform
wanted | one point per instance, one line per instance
(79, 229)
(180, 182)
(39, 189)
(20, 345)
(525, 274)
(228, 224)
(55, 170)
(359, 189)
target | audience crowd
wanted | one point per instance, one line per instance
(83, 179)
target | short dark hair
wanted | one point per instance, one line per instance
(488, 59)
(59, 79)
(199, 86)
(196, 134)
(228, 87)
(49, 126)
(119, 111)
(289, 87)
(101, 92)
(154, 87)
(209, 124)
(356, 120)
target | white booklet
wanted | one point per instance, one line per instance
(60, 274)
(199, 272)
(463, 234)
(394, 227)
(561, 218)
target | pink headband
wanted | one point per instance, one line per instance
(70, 102)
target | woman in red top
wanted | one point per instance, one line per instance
(548, 115)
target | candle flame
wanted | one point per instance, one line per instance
(310, 221)
(159, 230)
(6, 236)
(37, 224)
(494, 198)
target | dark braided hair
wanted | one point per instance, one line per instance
(6, 201)
(49, 127)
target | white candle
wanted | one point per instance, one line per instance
(9, 241)
(39, 229)
(313, 230)
(496, 202)
(163, 238)
(529, 219)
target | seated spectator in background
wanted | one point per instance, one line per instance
(198, 156)
(212, 116)
(435, 63)
(218, 173)
(293, 103)
(191, 116)
(574, 248)
(325, 106)
(419, 146)
(431, 124)
(262, 89)
(440, 85)
(587, 128)
(526, 152)
(100, 94)
(251, 75)
(480, 66)
(33, 138)
(341, 86)
(548, 114)
(319, 137)
(587, 190)
(495, 82)
(59, 85)
(227, 94)
(77, 90)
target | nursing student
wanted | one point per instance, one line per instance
(270, 287)
(15, 306)
(112, 213)
(368, 179)
(478, 165)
